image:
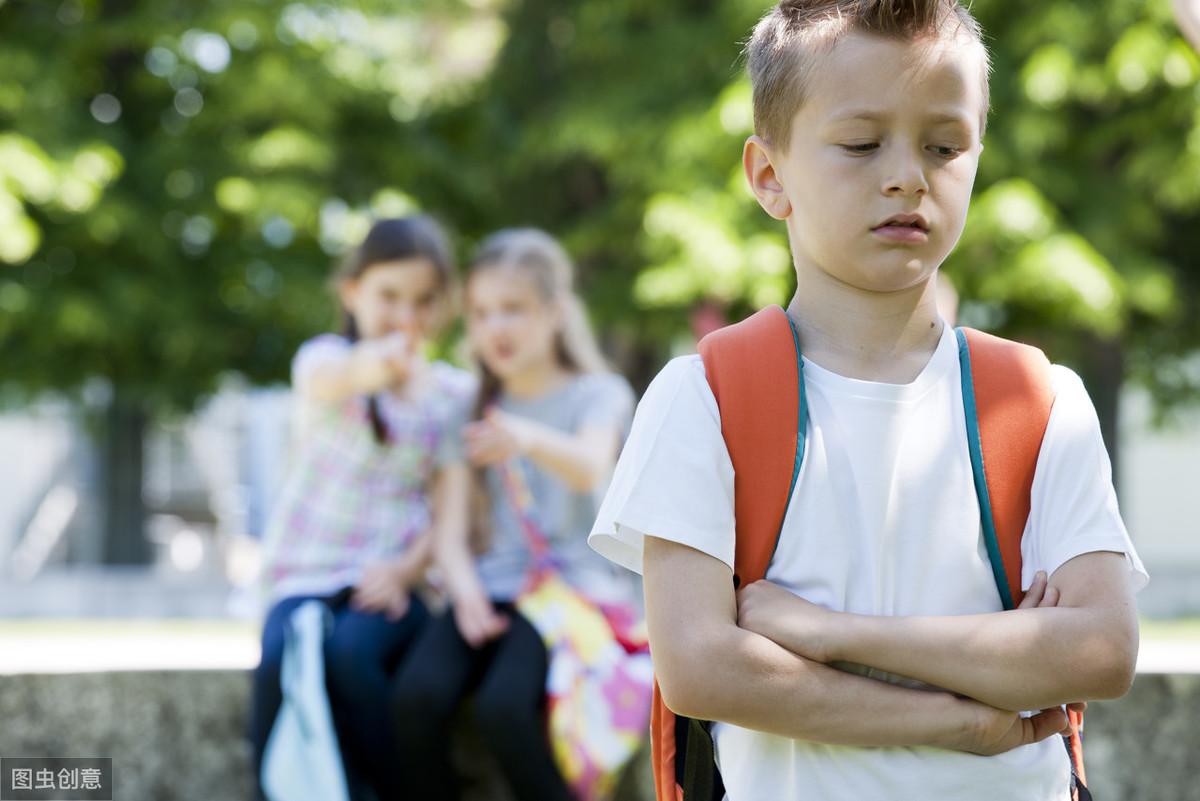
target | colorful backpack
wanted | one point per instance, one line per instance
(755, 372)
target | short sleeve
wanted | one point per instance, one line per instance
(674, 478)
(316, 352)
(607, 402)
(1073, 504)
(459, 389)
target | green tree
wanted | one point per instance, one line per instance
(175, 179)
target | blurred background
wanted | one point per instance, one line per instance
(176, 179)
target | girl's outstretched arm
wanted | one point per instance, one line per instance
(582, 459)
(361, 368)
(709, 668)
(1082, 648)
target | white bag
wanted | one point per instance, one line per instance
(302, 761)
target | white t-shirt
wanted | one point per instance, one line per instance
(883, 521)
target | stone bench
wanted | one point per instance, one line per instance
(180, 735)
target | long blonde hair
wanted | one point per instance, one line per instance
(544, 260)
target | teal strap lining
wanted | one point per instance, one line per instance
(801, 429)
(975, 446)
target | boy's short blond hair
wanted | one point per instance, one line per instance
(786, 42)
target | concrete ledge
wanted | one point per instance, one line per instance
(180, 735)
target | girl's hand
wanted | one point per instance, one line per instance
(496, 438)
(385, 361)
(477, 620)
(802, 627)
(384, 588)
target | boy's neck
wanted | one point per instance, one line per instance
(870, 336)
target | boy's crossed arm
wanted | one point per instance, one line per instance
(1083, 648)
(709, 668)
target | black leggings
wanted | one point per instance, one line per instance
(508, 678)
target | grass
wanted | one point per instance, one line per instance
(1184, 628)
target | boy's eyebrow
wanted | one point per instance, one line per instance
(872, 115)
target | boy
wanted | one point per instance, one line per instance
(868, 119)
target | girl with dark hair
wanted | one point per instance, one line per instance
(549, 409)
(379, 468)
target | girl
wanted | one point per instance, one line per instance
(547, 404)
(379, 465)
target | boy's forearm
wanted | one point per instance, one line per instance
(1018, 660)
(742, 678)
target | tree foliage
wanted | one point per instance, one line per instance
(175, 178)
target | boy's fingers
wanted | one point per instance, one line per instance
(1050, 598)
(1045, 723)
(1037, 589)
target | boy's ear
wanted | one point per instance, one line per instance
(764, 183)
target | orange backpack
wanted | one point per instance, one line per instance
(755, 373)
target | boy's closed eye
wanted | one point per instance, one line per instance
(943, 151)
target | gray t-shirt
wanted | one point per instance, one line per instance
(564, 515)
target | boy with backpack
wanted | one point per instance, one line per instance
(834, 545)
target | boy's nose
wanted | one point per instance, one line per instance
(907, 177)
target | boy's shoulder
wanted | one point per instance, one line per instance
(682, 374)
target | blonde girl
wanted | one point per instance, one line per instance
(548, 406)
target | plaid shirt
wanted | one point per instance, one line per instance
(350, 500)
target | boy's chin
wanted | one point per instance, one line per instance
(885, 278)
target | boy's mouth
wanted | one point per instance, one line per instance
(910, 229)
(915, 221)
(903, 229)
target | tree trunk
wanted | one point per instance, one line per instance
(1104, 374)
(122, 460)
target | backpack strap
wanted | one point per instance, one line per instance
(755, 373)
(1007, 396)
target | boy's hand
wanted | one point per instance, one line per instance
(383, 588)
(802, 627)
(997, 730)
(1040, 593)
(1040, 596)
